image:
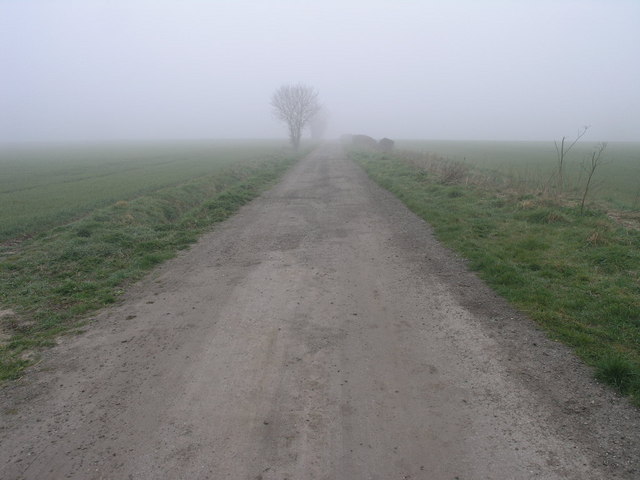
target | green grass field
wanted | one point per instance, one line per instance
(92, 219)
(533, 163)
(576, 274)
(47, 185)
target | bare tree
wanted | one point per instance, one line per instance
(295, 105)
(595, 161)
(562, 150)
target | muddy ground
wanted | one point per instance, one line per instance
(322, 333)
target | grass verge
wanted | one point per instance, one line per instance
(577, 275)
(49, 284)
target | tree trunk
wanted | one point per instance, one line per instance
(294, 136)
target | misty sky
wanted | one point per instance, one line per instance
(159, 69)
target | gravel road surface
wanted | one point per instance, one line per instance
(321, 333)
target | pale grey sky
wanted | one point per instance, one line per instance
(147, 69)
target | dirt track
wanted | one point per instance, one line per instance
(322, 333)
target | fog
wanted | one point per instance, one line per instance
(135, 69)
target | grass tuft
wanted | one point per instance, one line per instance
(618, 372)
